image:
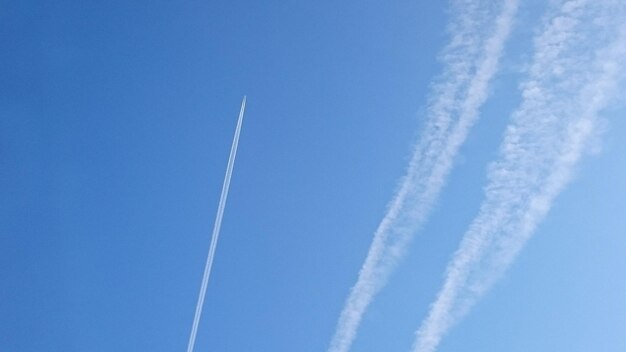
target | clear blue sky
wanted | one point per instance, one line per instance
(116, 119)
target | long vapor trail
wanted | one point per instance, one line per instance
(478, 31)
(216, 230)
(574, 73)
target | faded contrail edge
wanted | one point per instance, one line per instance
(471, 60)
(517, 197)
(216, 230)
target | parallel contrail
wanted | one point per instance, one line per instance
(470, 62)
(216, 230)
(575, 72)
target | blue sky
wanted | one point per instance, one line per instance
(116, 120)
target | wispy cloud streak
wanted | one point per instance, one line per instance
(216, 229)
(478, 31)
(575, 70)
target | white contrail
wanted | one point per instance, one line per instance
(216, 230)
(470, 62)
(575, 70)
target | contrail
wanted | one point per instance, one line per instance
(574, 73)
(216, 230)
(470, 62)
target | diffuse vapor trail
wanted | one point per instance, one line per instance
(566, 89)
(216, 230)
(470, 62)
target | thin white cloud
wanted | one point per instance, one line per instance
(470, 61)
(216, 230)
(575, 70)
